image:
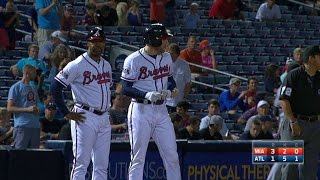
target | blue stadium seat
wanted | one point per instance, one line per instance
(222, 40)
(306, 34)
(250, 68)
(257, 50)
(253, 41)
(248, 32)
(205, 79)
(238, 40)
(226, 48)
(245, 59)
(293, 33)
(221, 79)
(229, 59)
(263, 32)
(259, 24)
(234, 68)
(272, 50)
(262, 59)
(194, 97)
(297, 42)
(282, 42)
(210, 96)
(222, 67)
(267, 41)
(214, 22)
(198, 106)
(242, 49)
(286, 17)
(273, 24)
(277, 59)
(312, 42)
(230, 23)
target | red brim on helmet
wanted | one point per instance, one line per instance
(96, 39)
(166, 36)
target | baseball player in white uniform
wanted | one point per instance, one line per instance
(89, 76)
(147, 78)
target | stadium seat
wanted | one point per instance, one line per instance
(297, 42)
(257, 50)
(195, 97)
(198, 107)
(221, 79)
(312, 42)
(229, 59)
(210, 96)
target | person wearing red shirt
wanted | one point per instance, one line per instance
(157, 10)
(223, 9)
(191, 54)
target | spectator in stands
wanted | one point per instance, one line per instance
(224, 9)
(68, 22)
(4, 39)
(212, 132)
(157, 10)
(297, 57)
(267, 127)
(170, 14)
(176, 121)
(48, 19)
(22, 102)
(271, 78)
(191, 19)
(263, 109)
(213, 110)
(122, 12)
(48, 47)
(268, 11)
(57, 60)
(134, 16)
(6, 130)
(106, 16)
(31, 24)
(11, 21)
(250, 96)
(192, 55)
(231, 100)
(90, 15)
(182, 109)
(181, 75)
(41, 67)
(208, 59)
(191, 131)
(49, 125)
(290, 67)
(100, 3)
(118, 114)
(46, 98)
(253, 133)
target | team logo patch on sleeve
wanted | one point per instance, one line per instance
(126, 71)
(64, 74)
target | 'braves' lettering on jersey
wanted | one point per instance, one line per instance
(101, 78)
(147, 73)
(155, 73)
(90, 81)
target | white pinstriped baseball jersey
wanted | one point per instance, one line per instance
(147, 73)
(90, 82)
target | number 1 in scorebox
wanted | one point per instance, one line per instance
(264, 152)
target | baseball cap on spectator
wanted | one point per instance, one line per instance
(51, 105)
(215, 119)
(59, 35)
(234, 80)
(310, 51)
(68, 7)
(262, 103)
(203, 44)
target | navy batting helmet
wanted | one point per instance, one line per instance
(154, 34)
(96, 34)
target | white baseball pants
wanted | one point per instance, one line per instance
(145, 121)
(91, 140)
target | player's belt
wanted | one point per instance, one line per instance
(90, 109)
(145, 101)
(309, 118)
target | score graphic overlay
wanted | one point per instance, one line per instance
(267, 152)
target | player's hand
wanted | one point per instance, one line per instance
(78, 117)
(296, 130)
(153, 96)
(123, 126)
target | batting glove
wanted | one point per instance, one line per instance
(165, 94)
(153, 96)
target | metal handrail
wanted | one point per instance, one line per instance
(304, 4)
(217, 71)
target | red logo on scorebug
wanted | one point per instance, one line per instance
(101, 78)
(163, 71)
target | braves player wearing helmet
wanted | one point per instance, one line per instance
(147, 78)
(89, 76)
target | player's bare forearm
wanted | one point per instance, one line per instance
(286, 108)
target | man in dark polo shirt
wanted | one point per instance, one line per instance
(300, 102)
(212, 132)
